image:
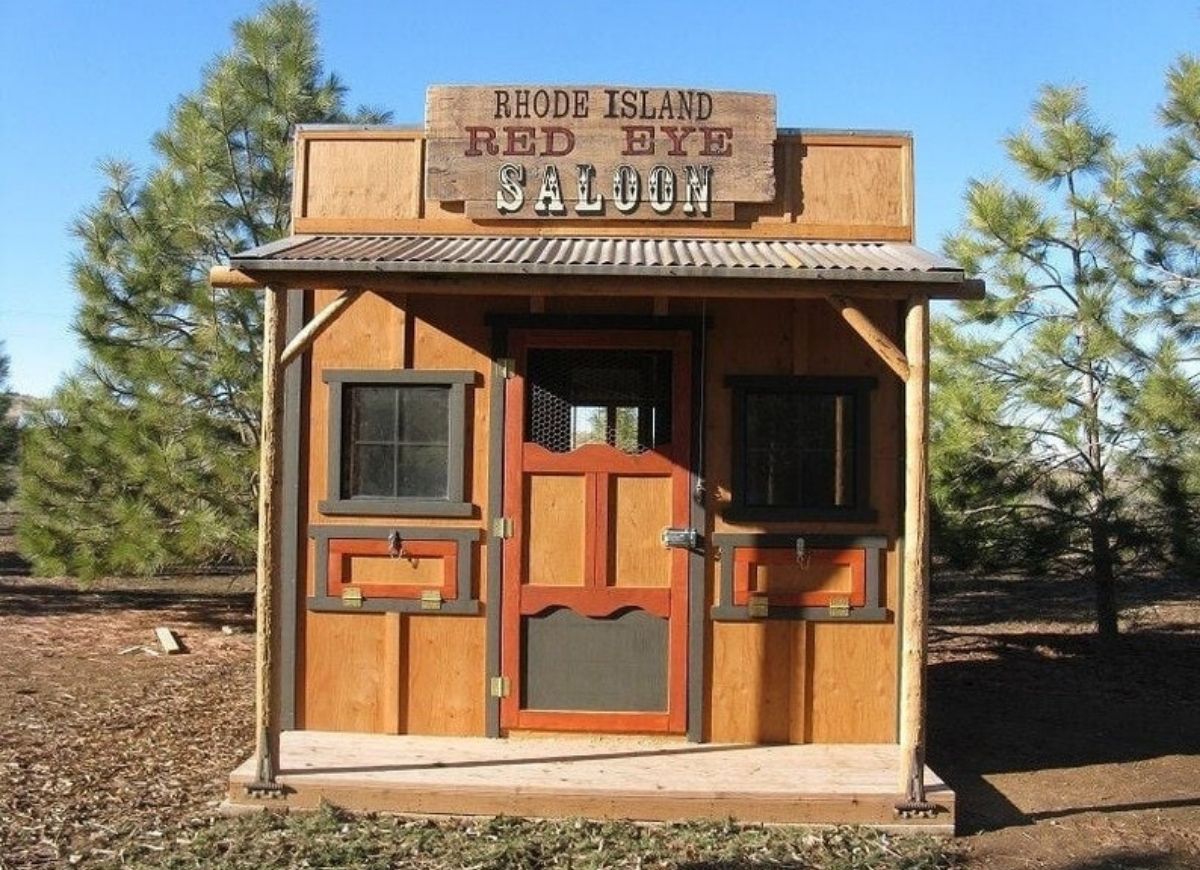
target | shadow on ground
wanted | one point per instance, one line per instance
(1046, 696)
(225, 606)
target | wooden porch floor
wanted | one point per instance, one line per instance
(595, 777)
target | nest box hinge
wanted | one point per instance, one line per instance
(839, 605)
(758, 607)
(352, 597)
(431, 599)
(506, 367)
(500, 687)
(502, 528)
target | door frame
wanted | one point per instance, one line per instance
(686, 591)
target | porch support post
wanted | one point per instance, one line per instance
(916, 553)
(266, 712)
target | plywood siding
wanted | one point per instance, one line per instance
(426, 671)
(842, 186)
(358, 177)
(798, 682)
(772, 681)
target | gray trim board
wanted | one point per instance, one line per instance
(462, 605)
(871, 611)
(293, 383)
(697, 559)
(495, 554)
(453, 505)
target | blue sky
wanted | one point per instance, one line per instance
(84, 80)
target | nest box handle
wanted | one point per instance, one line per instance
(802, 557)
(395, 544)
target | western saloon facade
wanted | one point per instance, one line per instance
(596, 413)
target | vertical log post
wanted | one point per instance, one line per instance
(916, 554)
(266, 713)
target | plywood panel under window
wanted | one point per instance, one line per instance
(555, 540)
(639, 511)
(853, 683)
(758, 682)
(444, 684)
(348, 683)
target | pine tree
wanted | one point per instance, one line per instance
(1053, 372)
(8, 430)
(1161, 214)
(145, 459)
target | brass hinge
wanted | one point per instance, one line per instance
(839, 605)
(757, 607)
(502, 528)
(431, 599)
(352, 597)
(506, 367)
(500, 687)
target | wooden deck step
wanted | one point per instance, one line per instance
(634, 778)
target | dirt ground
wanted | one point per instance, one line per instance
(1061, 757)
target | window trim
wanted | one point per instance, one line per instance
(858, 387)
(454, 504)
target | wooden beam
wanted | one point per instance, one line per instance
(320, 322)
(223, 277)
(266, 713)
(875, 337)
(915, 617)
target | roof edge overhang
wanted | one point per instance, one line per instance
(784, 273)
(706, 285)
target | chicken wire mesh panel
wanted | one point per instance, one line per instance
(620, 398)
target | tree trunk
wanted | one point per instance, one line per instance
(1105, 582)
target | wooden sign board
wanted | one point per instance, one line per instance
(598, 152)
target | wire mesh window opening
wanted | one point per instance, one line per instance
(621, 398)
(800, 450)
(396, 441)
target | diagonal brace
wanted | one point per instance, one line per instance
(875, 338)
(321, 321)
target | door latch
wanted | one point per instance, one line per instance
(684, 539)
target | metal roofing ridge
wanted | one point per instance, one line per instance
(750, 253)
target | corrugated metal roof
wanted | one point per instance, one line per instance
(584, 255)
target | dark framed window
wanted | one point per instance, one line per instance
(397, 443)
(801, 448)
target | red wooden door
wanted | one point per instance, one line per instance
(594, 611)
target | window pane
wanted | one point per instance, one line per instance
(372, 471)
(422, 471)
(589, 425)
(424, 415)
(592, 396)
(395, 441)
(372, 413)
(799, 450)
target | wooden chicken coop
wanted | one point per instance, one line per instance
(595, 465)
